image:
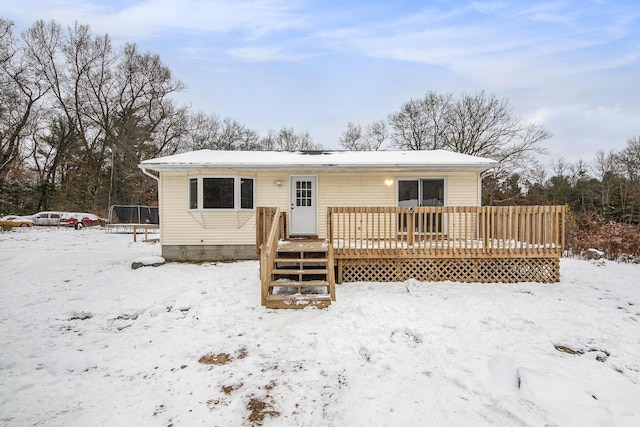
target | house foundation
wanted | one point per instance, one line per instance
(204, 253)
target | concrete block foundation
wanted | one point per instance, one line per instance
(205, 253)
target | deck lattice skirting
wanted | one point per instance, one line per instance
(469, 270)
(454, 243)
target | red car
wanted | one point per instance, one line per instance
(81, 220)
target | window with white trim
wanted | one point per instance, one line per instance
(227, 192)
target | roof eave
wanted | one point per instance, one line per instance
(341, 168)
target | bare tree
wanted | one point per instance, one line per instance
(604, 163)
(53, 142)
(420, 123)
(560, 167)
(234, 136)
(371, 139)
(286, 139)
(21, 91)
(579, 170)
(477, 124)
(353, 139)
(117, 103)
(376, 134)
(203, 130)
(411, 127)
(629, 158)
(536, 174)
(208, 131)
(629, 161)
(605, 168)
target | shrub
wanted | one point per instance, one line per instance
(618, 241)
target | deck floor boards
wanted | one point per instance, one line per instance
(302, 246)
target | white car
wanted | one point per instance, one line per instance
(50, 218)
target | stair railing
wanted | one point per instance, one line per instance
(268, 250)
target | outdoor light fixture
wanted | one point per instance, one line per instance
(389, 182)
(278, 183)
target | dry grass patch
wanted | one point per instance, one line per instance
(215, 359)
(259, 410)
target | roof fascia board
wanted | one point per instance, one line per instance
(322, 168)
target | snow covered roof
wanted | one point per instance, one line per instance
(338, 161)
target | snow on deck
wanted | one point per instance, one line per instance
(444, 244)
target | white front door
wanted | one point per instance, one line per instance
(304, 211)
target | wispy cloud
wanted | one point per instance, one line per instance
(264, 54)
(149, 18)
(572, 64)
(523, 44)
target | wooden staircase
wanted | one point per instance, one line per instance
(301, 275)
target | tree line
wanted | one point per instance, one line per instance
(479, 124)
(607, 188)
(77, 115)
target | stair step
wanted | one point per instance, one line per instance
(310, 246)
(301, 284)
(283, 297)
(295, 271)
(299, 270)
(304, 260)
(300, 257)
(298, 301)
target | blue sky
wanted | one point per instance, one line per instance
(573, 65)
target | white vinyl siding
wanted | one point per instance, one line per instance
(463, 189)
(379, 189)
(181, 226)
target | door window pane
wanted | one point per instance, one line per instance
(407, 193)
(432, 192)
(303, 193)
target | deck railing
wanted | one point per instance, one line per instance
(447, 231)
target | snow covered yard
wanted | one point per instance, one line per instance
(86, 340)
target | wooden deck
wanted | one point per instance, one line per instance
(445, 232)
(382, 244)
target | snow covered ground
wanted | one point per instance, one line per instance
(87, 340)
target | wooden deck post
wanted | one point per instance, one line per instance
(331, 269)
(410, 229)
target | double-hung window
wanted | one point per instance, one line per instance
(231, 193)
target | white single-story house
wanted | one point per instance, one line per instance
(208, 199)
